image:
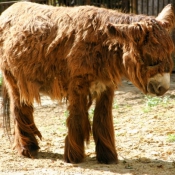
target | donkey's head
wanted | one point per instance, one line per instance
(147, 48)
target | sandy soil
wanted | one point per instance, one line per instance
(144, 132)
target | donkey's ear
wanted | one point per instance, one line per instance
(124, 33)
(167, 17)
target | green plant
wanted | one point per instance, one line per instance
(66, 113)
(171, 138)
(91, 114)
(151, 102)
(146, 109)
(154, 101)
(115, 105)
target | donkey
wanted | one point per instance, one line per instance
(81, 54)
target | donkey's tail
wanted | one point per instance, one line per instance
(6, 111)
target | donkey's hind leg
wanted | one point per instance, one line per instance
(103, 130)
(25, 129)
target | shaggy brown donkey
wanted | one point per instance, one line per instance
(79, 53)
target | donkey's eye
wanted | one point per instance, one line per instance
(153, 64)
(150, 61)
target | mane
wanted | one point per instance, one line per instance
(122, 18)
(114, 16)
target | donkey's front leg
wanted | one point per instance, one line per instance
(78, 123)
(103, 130)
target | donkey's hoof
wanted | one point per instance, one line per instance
(30, 151)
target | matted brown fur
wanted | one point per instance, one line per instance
(78, 53)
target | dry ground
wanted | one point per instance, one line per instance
(145, 138)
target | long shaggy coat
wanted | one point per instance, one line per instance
(79, 53)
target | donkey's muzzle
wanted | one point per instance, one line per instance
(159, 84)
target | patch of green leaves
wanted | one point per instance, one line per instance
(115, 105)
(151, 102)
(66, 113)
(171, 138)
(91, 114)
(154, 101)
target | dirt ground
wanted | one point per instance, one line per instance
(144, 133)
